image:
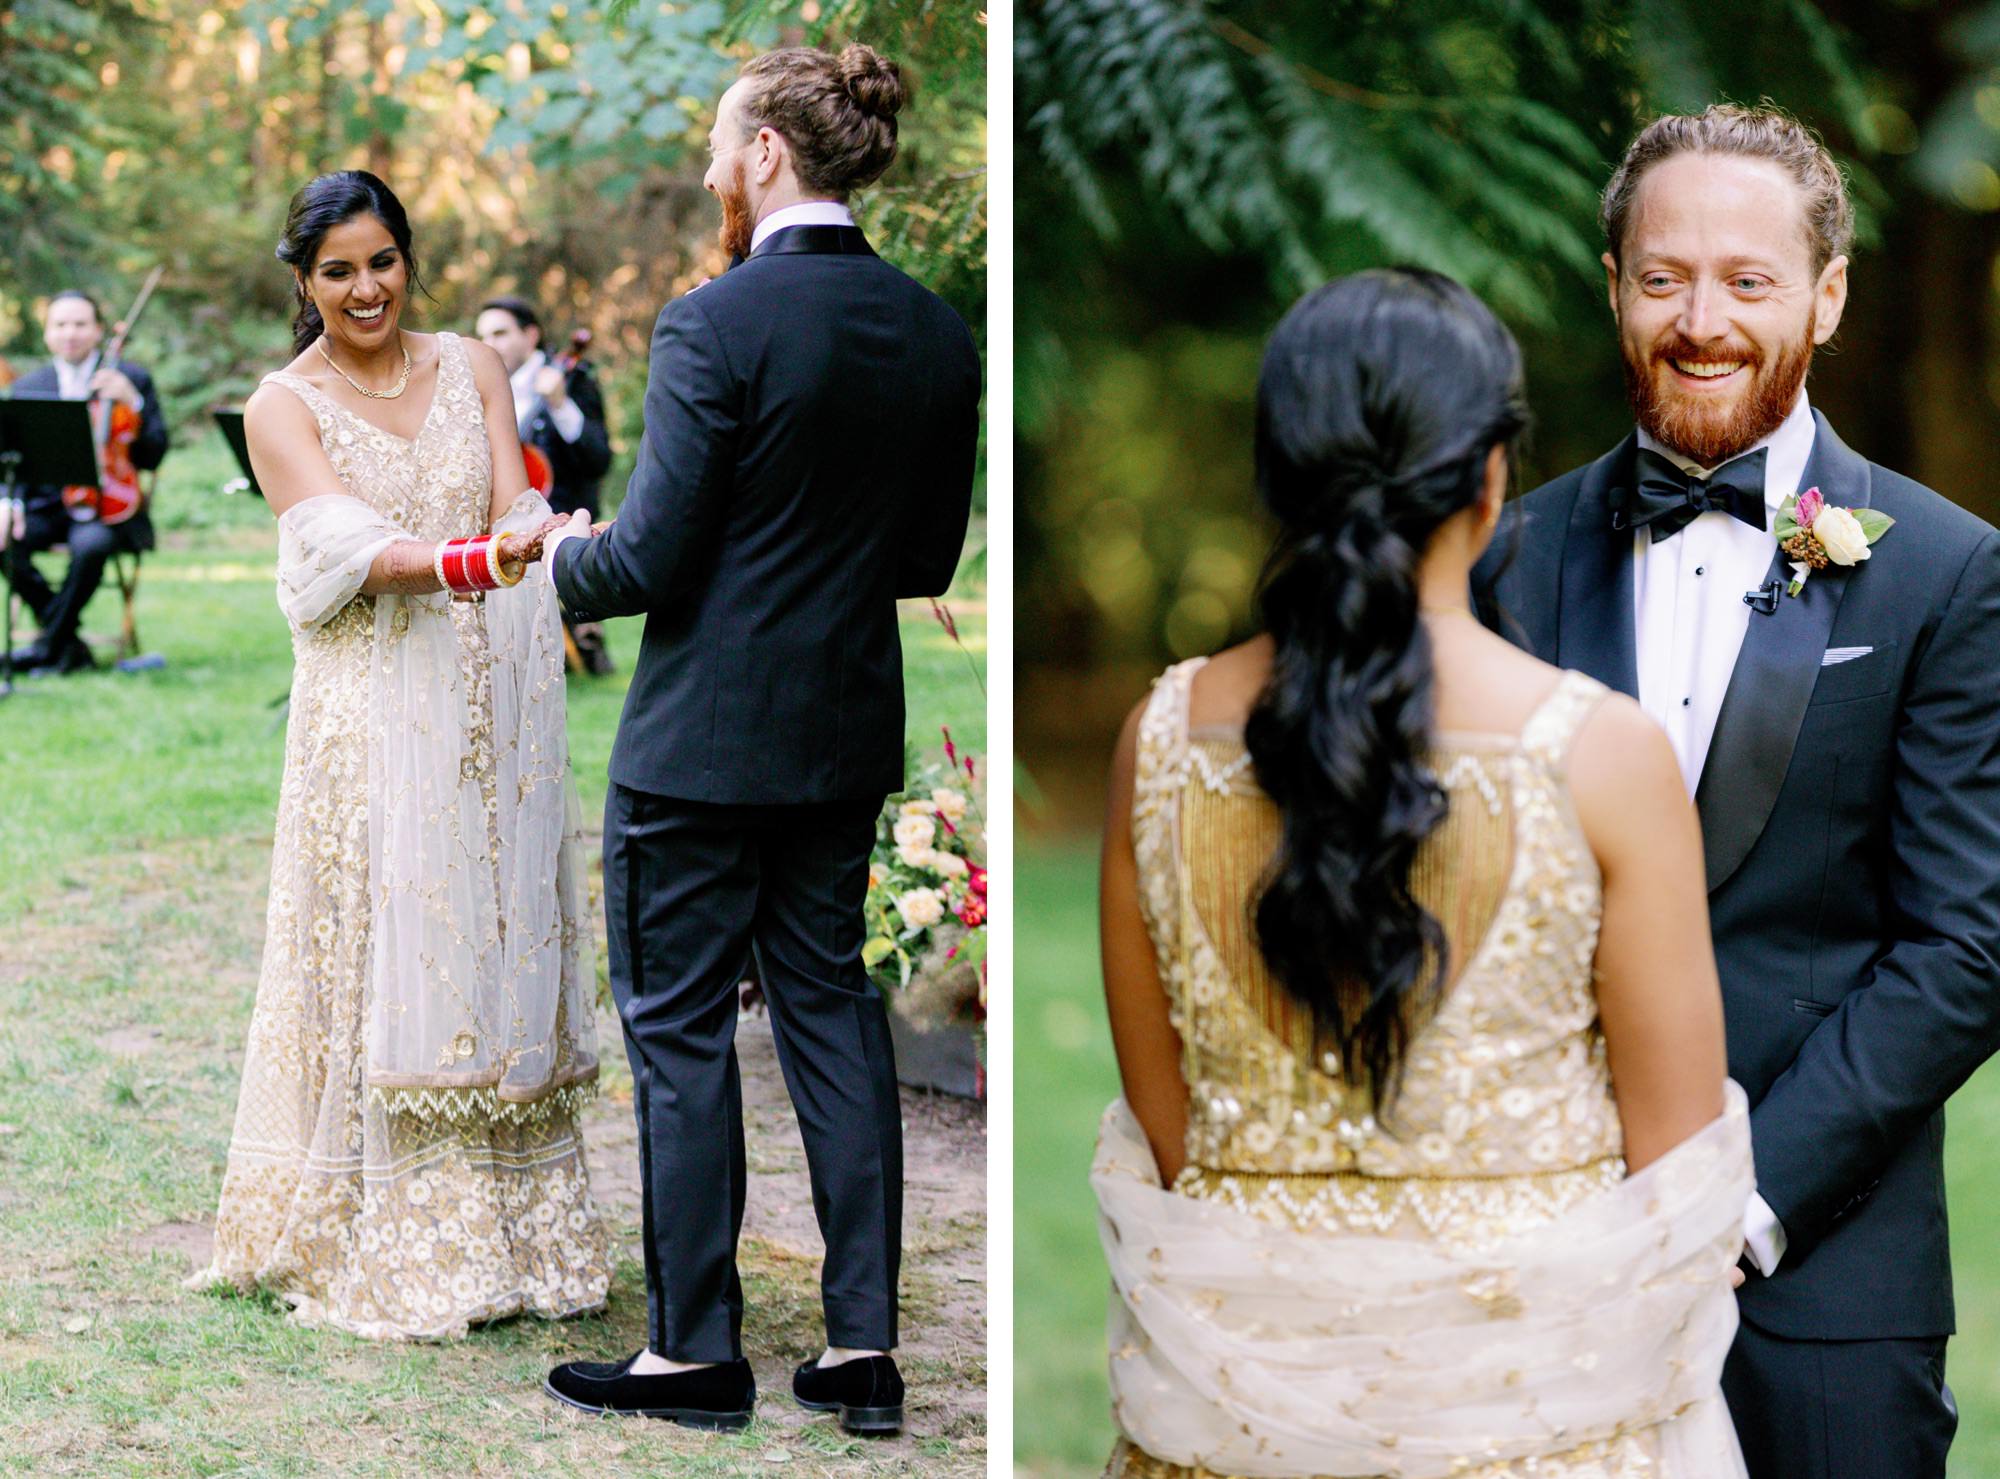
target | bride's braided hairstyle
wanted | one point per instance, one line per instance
(1381, 396)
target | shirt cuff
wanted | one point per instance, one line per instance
(1763, 1235)
(568, 420)
(554, 542)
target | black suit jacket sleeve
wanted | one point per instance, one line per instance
(585, 459)
(1877, 1068)
(937, 523)
(149, 447)
(680, 484)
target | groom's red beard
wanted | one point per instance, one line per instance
(737, 225)
(1704, 428)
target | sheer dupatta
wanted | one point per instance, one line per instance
(1252, 1348)
(479, 991)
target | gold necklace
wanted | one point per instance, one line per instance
(1445, 610)
(377, 395)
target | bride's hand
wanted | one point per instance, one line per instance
(522, 549)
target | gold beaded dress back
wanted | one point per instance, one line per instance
(1505, 1076)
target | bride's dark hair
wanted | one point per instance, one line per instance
(322, 204)
(1381, 397)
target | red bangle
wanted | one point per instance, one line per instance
(467, 566)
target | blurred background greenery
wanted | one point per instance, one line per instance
(1186, 169)
(552, 148)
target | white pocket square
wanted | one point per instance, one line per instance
(1843, 654)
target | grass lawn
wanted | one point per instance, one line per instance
(135, 827)
(1064, 1068)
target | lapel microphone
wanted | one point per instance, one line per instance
(1765, 598)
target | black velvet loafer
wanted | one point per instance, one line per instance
(867, 1392)
(716, 1397)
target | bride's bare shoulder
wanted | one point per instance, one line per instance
(1226, 688)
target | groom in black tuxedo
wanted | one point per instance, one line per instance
(1842, 745)
(811, 425)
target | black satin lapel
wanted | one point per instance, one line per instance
(1596, 625)
(1758, 727)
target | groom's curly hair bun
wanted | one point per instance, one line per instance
(837, 112)
(873, 81)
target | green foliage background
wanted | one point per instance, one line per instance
(542, 147)
(1188, 167)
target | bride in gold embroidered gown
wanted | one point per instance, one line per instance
(1469, 1274)
(406, 1159)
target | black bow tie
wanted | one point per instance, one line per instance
(1667, 500)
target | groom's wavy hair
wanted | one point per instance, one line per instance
(1381, 397)
(1765, 132)
(322, 204)
(837, 112)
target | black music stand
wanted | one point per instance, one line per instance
(41, 442)
(231, 423)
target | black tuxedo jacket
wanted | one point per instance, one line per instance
(812, 418)
(579, 465)
(1851, 822)
(149, 447)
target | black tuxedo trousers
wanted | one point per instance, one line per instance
(692, 890)
(1850, 815)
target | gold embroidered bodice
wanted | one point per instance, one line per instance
(1505, 1117)
(384, 1223)
(1505, 1109)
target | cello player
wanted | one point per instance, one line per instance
(73, 330)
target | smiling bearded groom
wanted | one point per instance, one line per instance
(1832, 705)
(812, 419)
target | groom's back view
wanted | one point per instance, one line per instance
(811, 427)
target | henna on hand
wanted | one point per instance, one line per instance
(406, 568)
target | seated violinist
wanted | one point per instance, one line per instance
(73, 329)
(561, 416)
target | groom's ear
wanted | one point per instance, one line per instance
(1829, 299)
(770, 155)
(1611, 281)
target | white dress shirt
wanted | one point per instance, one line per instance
(73, 381)
(1689, 616)
(1690, 621)
(567, 418)
(805, 213)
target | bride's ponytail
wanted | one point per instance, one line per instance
(1381, 396)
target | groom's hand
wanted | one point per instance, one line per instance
(576, 526)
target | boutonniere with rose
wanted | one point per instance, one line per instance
(1816, 535)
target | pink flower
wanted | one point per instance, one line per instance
(943, 615)
(1810, 503)
(968, 769)
(976, 881)
(971, 914)
(946, 821)
(950, 750)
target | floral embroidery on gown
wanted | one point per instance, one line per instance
(414, 1206)
(1505, 1121)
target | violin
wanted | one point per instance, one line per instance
(541, 475)
(114, 426)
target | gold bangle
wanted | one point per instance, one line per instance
(501, 579)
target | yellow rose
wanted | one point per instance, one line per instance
(920, 907)
(1840, 535)
(949, 802)
(915, 832)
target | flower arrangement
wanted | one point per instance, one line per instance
(926, 906)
